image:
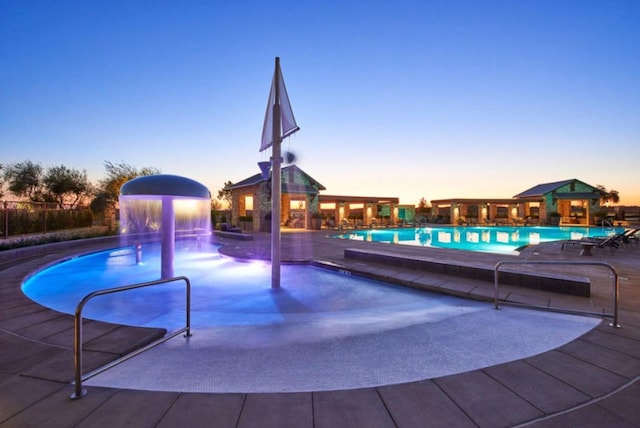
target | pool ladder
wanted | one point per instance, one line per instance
(613, 315)
(79, 392)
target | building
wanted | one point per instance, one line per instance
(304, 207)
(562, 202)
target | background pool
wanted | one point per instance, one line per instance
(488, 239)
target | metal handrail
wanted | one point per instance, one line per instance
(79, 392)
(611, 228)
(614, 315)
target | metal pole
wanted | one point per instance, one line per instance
(79, 392)
(168, 237)
(616, 295)
(6, 220)
(276, 197)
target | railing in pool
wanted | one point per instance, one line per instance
(615, 288)
(79, 392)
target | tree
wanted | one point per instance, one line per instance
(1, 181)
(608, 195)
(423, 205)
(25, 180)
(108, 192)
(66, 185)
(117, 175)
(224, 194)
(216, 205)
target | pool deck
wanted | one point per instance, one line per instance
(591, 381)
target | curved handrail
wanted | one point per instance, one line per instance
(79, 392)
(614, 315)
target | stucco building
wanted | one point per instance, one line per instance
(304, 207)
(567, 202)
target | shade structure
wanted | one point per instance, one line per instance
(165, 185)
(166, 189)
(278, 124)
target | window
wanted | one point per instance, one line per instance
(502, 211)
(577, 209)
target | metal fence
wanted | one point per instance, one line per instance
(21, 218)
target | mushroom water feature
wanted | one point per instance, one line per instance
(170, 206)
(324, 331)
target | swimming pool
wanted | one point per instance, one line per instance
(320, 331)
(488, 239)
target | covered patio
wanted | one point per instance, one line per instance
(358, 211)
(484, 211)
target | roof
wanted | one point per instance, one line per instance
(358, 199)
(475, 201)
(542, 189)
(251, 181)
(545, 188)
(289, 187)
(164, 185)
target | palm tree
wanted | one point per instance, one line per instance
(608, 195)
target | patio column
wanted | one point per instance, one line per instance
(367, 213)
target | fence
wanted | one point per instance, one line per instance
(20, 218)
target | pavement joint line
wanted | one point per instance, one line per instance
(581, 405)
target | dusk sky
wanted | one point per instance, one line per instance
(413, 99)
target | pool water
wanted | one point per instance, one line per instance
(225, 292)
(491, 239)
(320, 331)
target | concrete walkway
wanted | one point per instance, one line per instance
(591, 381)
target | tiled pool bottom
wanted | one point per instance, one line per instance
(286, 358)
(320, 331)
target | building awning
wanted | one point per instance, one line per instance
(299, 188)
(475, 201)
(382, 200)
(578, 195)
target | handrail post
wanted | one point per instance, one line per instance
(188, 303)
(79, 392)
(495, 281)
(77, 346)
(616, 293)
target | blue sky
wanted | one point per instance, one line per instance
(413, 99)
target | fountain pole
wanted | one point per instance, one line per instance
(276, 197)
(168, 237)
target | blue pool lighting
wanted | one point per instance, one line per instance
(489, 239)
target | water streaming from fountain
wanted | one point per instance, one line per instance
(164, 208)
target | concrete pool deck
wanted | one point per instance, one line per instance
(591, 381)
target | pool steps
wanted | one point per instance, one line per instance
(557, 283)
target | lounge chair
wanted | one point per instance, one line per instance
(612, 242)
(633, 237)
(226, 227)
(361, 225)
(330, 224)
(346, 224)
(375, 223)
(517, 221)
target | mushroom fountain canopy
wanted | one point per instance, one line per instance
(165, 185)
(136, 215)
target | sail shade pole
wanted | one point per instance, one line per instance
(276, 183)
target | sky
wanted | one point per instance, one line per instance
(410, 99)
